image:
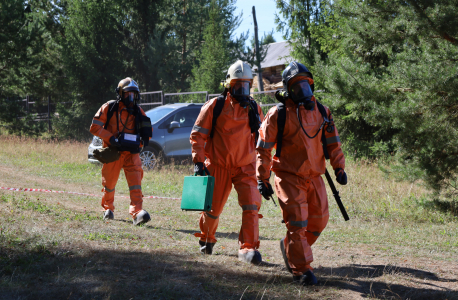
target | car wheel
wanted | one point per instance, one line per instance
(149, 158)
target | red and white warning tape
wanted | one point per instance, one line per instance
(75, 193)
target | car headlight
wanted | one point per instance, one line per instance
(96, 144)
(96, 141)
(90, 149)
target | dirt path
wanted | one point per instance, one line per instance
(348, 271)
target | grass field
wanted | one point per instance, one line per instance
(56, 246)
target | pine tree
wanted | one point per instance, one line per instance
(30, 63)
(213, 58)
(394, 83)
(300, 23)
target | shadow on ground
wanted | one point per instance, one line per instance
(363, 279)
(62, 274)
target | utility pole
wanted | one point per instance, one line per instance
(258, 56)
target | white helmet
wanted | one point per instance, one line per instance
(238, 71)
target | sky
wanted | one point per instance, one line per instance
(265, 17)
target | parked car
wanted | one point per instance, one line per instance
(172, 125)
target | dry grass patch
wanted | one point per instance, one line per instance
(57, 245)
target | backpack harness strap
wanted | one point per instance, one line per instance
(281, 126)
(253, 114)
(217, 109)
(113, 106)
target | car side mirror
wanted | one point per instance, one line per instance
(173, 125)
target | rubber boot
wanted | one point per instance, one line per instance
(250, 255)
(206, 248)
(141, 218)
(108, 215)
(285, 258)
(308, 278)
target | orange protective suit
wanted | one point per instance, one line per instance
(231, 159)
(298, 183)
(131, 163)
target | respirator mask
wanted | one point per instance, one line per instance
(301, 93)
(128, 98)
(240, 90)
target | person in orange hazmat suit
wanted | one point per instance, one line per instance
(121, 131)
(229, 148)
(298, 183)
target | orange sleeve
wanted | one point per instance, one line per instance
(333, 144)
(266, 142)
(201, 131)
(98, 122)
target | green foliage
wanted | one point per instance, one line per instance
(299, 18)
(74, 122)
(219, 48)
(302, 19)
(93, 53)
(17, 121)
(213, 60)
(394, 81)
(267, 38)
(29, 52)
(77, 51)
(249, 54)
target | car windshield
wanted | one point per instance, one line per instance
(158, 113)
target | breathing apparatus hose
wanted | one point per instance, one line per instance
(300, 122)
(127, 119)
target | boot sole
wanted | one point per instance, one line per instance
(283, 252)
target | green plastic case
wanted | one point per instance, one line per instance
(197, 193)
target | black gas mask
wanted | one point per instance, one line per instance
(301, 93)
(128, 98)
(240, 90)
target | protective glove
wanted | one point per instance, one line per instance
(265, 189)
(114, 142)
(341, 176)
(200, 169)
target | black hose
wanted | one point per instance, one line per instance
(300, 122)
(127, 119)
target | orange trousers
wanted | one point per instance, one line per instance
(304, 206)
(132, 166)
(244, 180)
